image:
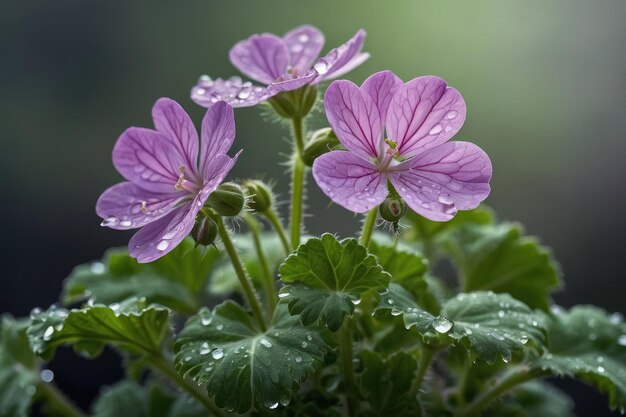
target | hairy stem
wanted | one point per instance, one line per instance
(242, 275)
(368, 226)
(166, 368)
(269, 286)
(426, 357)
(508, 382)
(347, 367)
(297, 182)
(272, 217)
(57, 401)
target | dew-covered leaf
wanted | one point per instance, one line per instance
(386, 382)
(490, 326)
(129, 399)
(326, 278)
(174, 280)
(242, 366)
(18, 368)
(589, 344)
(499, 258)
(133, 326)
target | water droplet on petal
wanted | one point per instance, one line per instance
(110, 221)
(442, 325)
(436, 129)
(445, 199)
(200, 91)
(321, 67)
(163, 245)
(217, 354)
(451, 114)
(303, 38)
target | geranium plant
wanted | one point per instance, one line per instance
(263, 319)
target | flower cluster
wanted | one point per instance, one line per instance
(395, 137)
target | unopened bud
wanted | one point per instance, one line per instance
(259, 195)
(392, 209)
(204, 231)
(227, 199)
(322, 141)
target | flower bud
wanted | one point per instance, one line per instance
(204, 231)
(392, 209)
(259, 195)
(322, 141)
(227, 199)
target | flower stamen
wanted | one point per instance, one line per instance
(144, 207)
(182, 184)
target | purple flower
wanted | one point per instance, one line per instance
(170, 175)
(282, 64)
(435, 177)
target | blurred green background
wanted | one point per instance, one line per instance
(544, 83)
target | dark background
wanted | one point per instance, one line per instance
(544, 83)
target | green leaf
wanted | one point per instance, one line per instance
(224, 279)
(500, 259)
(129, 399)
(385, 383)
(133, 326)
(533, 399)
(326, 278)
(590, 345)
(242, 366)
(488, 325)
(174, 280)
(18, 368)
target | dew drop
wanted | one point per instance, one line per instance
(244, 93)
(304, 345)
(309, 337)
(616, 318)
(442, 325)
(217, 354)
(621, 340)
(500, 313)
(600, 369)
(219, 327)
(356, 301)
(321, 67)
(97, 268)
(303, 38)
(47, 335)
(523, 340)
(206, 320)
(272, 406)
(163, 245)
(298, 359)
(266, 343)
(451, 114)
(46, 375)
(445, 199)
(283, 295)
(126, 223)
(110, 221)
(200, 91)
(436, 129)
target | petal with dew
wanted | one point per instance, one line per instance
(424, 113)
(354, 118)
(233, 91)
(263, 58)
(342, 59)
(381, 87)
(127, 206)
(350, 181)
(442, 180)
(304, 44)
(148, 159)
(171, 120)
(218, 131)
(290, 83)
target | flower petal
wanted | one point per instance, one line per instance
(127, 206)
(171, 120)
(424, 113)
(304, 43)
(381, 87)
(233, 91)
(263, 58)
(350, 181)
(354, 118)
(161, 236)
(218, 131)
(341, 59)
(215, 170)
(290, 82)
(442, 180)
(148, 159)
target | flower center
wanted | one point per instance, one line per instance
(183, 184)
(389, 155)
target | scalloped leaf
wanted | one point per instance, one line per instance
(174, 280)
(326, 278)
(242, 366)
(589, 344)
(133, 326)
(499, 258)
(488, 325)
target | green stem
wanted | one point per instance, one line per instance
(508, 382)
(272, 217)
(368, 226)
(347, 367)
(244, 280)
(297, 182)
(57, 401)
(269, 286)
(163, 366)
(426, 357)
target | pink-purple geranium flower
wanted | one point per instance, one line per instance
(170, 175)
(281, 64)
(435, 177)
